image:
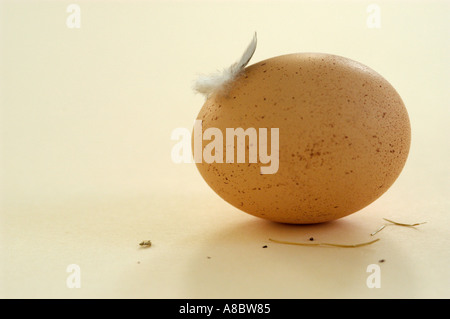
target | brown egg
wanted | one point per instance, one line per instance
(344, 137)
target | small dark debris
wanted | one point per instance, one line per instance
(265, 246)
(311, 238)
(145, 243)
(381, 261)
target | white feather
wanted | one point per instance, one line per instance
(207, 84)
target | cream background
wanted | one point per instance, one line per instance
(86, 174)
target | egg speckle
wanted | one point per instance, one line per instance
(344, 137)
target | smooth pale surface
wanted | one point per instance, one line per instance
(86, 173)
(344, 137)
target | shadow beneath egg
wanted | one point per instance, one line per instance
(241, 262)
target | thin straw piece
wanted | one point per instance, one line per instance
(324, 244)
(394, 223)
(401, 224)
(379, 229)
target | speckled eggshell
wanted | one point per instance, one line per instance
(344, 137)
